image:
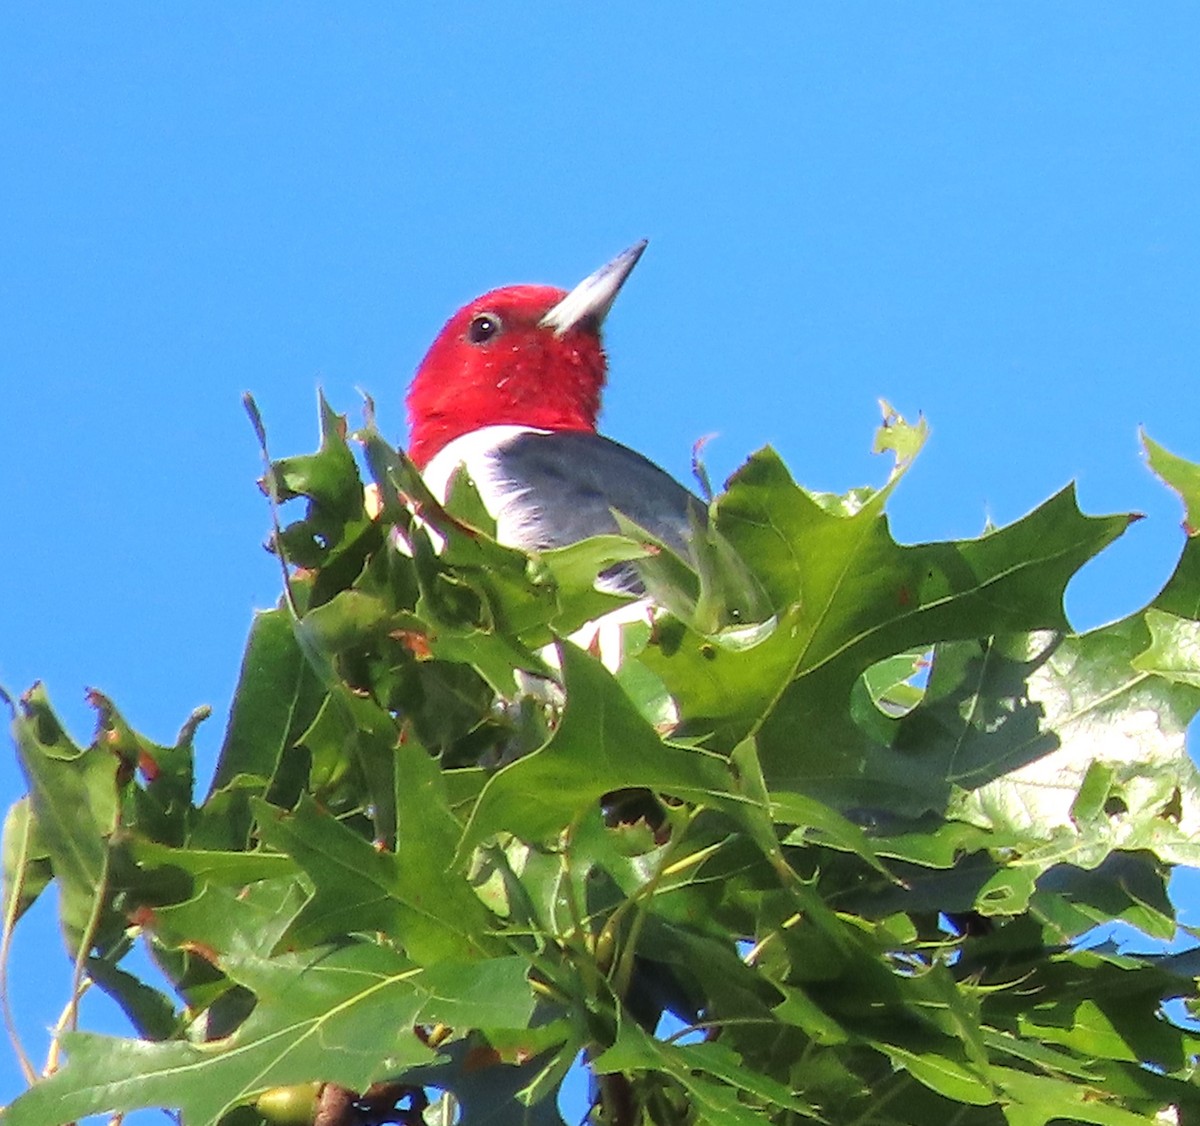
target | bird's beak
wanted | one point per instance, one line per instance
(593, 297)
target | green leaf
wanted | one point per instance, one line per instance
(228, 868)
(336, 532)
(850, 597)
(1039, 1099)
(1181, 475)
(277, 697)
(237, 918)
(900, 437)
(150, 1011)
(574, 570)
(1129, 887)
(358, 888)
(711, 1074)
(602, 743)
(74, 801)
(954, 1079)
(341, 1015)
(889, 685)
(352, 747)
(1174, 650)
(27, 867)
(712, 590)
(1086, 703)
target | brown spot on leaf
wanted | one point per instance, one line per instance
(148, 766)
(416, 642)
(141, 916)
(201, 950)
(481, 1057)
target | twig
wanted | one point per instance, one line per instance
(70, 1009)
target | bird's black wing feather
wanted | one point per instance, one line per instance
(567, 484)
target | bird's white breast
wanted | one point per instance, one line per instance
(476, 452)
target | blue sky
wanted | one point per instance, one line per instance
(986, 213)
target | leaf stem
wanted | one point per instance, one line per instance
(6, 935)
(85, 944)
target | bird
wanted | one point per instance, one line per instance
(511, 391)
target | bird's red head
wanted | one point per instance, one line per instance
(525, 355)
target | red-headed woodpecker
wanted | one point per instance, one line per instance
(510, 389)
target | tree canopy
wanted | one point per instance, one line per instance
(850, 808)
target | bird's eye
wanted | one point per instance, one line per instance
(483, 327)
